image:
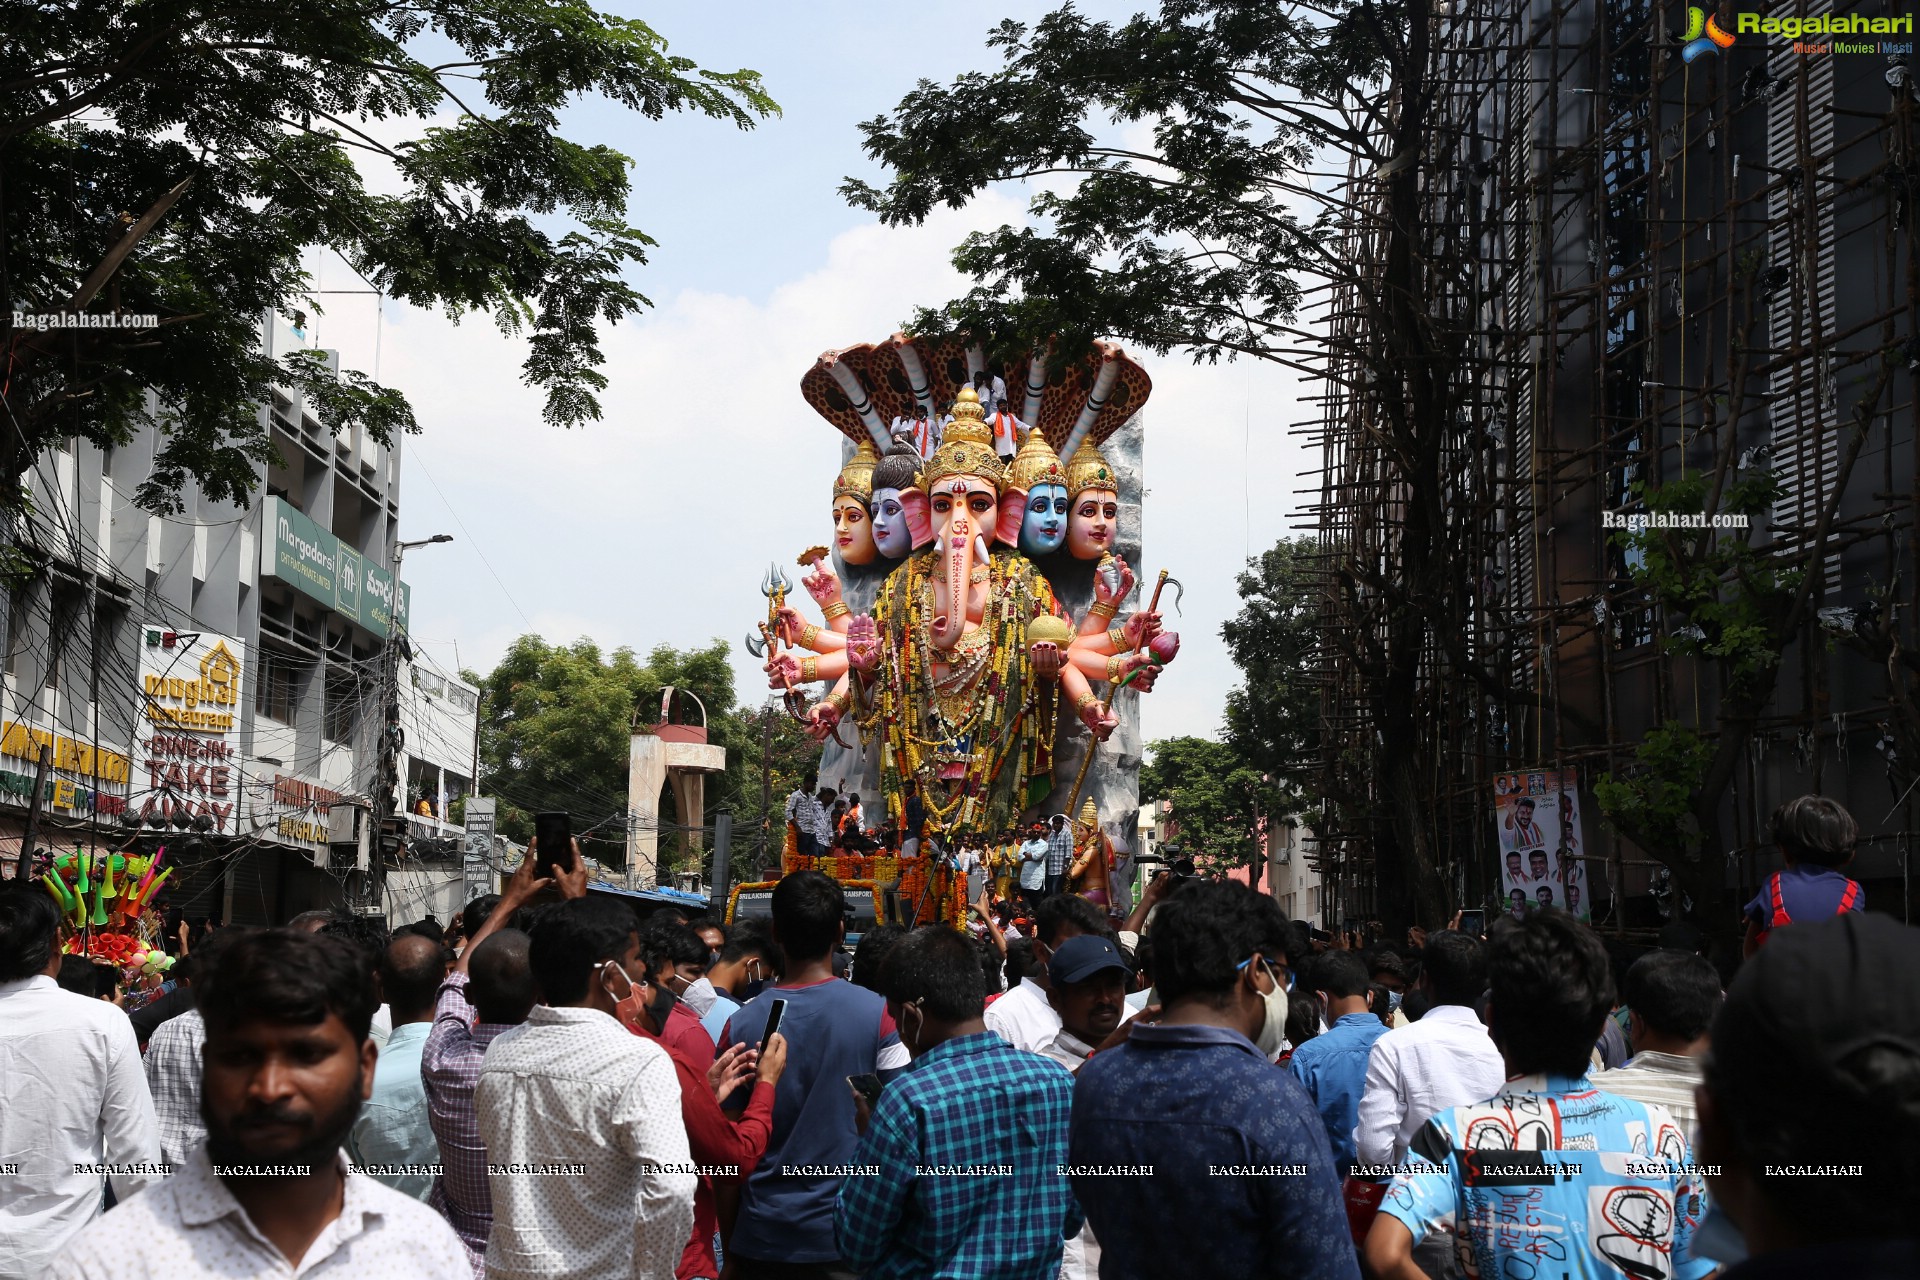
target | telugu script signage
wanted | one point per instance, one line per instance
(321, 567)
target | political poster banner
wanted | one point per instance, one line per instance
(1537, 817)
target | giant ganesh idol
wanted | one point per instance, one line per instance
(972, 632)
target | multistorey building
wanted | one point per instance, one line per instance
(217, 680)
(1651, 268)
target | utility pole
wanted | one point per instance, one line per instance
(766, 780)
(33, 812)
(720, 882)
(391, 737)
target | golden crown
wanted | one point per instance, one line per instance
(856, 478)
(1036, 464)
(966, 447)
(1089, 815)
(1088, 469)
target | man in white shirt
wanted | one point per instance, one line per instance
(288, 1062)
(1025, 1017)
(1033, 867)
(1087, 986)
(1672, 997)
(74, 1094)
(1446, 1059)
(573, 1087)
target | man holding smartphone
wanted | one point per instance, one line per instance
(833, 1030)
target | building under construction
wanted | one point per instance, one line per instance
(1643, 270)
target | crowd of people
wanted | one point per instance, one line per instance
(1203, 1089)
(1015, 867)
(923, 429)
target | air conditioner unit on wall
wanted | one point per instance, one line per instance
(343, 822)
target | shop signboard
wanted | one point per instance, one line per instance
(324, 569)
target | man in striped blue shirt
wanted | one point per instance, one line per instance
(1059, 854)
(960, 1167)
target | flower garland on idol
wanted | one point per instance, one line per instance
(932, 723)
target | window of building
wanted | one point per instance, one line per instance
(19, 615)
(109, 630)
(276, 692)
(62, 638)
(343, 704)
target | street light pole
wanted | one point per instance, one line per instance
(386, 800)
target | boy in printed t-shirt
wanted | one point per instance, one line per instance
(1550, 1176)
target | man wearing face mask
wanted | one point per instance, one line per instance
(1243, 1181)
(745, 960)
(717, 1140)
(967, 1141)
(588, 1162)
(677, 959)
(711, 932)
(286, 1067)
(1332, 1066)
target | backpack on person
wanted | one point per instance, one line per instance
(1777, 905)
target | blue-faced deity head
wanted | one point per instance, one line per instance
(897, 507)
(1033, 504)
(890, 524)
(1044, 526)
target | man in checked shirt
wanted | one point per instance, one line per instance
(489, 991)
(1059, 854)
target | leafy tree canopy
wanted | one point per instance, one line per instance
(249, 117)
(1218, 798)
(555, 726)
(1273, 717)
(1185, 134)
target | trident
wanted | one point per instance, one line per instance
(775, 587)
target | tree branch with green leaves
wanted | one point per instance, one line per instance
(105, 106)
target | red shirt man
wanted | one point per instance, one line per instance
(714, 1138)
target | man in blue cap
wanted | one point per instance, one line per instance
(1087, 986)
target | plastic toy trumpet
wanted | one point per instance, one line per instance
(153, 865)
(68, 900)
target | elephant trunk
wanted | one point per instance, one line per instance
(957, 548)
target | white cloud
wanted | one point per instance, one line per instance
(655, 525)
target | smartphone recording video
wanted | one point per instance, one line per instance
(552, 842)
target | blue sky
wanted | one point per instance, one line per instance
(654, 525)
